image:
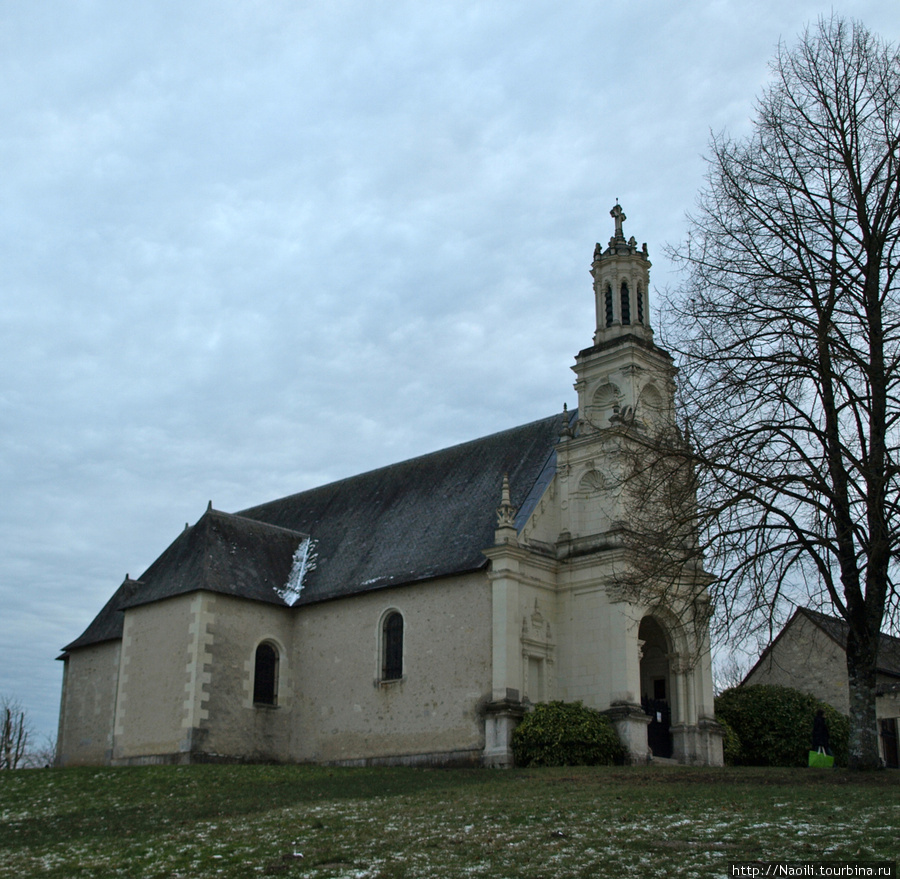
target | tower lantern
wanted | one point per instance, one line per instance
(621, 280)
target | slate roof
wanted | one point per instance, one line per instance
(108, 624)
(427, 517)
(420, 519)
(222, 553)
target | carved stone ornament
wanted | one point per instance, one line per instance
(506, 512)
(680, 663)
(592, 481)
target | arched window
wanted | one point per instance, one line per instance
(265, 675)
(392, 647)
(608, 305)
(640, 304)
(626, 304)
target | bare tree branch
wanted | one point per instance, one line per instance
(14, 733)
(783, 481)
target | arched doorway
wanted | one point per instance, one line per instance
(656, 685)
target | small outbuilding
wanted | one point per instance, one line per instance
(810, 654)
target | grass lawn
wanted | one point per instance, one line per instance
(302, 821)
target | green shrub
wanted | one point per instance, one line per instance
(566, 734)
(774, 725)
(731, 744)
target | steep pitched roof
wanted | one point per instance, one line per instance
(837, 629)
(427, 517)
(423, 518)
(107, 625)
(222, 553)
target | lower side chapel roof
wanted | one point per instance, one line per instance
(427, 517)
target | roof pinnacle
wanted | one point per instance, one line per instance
(566, 429)
(506, 516)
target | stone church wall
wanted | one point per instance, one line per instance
(88, 705)
(154, 702)
(344, 713)
(233, 725)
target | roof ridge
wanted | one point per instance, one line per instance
(258, 523)
(841, 621)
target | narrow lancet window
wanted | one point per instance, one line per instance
(392, 648)
(265, 675)
(608, 305)
(626, 304)
(640, 305)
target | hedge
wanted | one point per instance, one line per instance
(774, 725)
(565, 734)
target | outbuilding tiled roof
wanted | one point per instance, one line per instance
(836, 628)
(427, 517)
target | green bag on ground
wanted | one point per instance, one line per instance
(820, 760)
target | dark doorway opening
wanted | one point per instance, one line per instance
(655, 688)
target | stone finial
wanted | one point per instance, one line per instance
(506, 517)
(506, 512)
(619, 216)
(566, 429)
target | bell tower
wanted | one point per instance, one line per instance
(624, 377)
(575, 612)
(621, 277)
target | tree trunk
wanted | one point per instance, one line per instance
(861, 664)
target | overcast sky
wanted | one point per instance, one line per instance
(251, 247)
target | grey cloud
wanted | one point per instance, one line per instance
(250, 248)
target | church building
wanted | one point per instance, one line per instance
(413, 614)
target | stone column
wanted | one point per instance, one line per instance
(682, 730)
(624, 661)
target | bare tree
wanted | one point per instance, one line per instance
(41, 755)
(14, 733)
(729, 671)
(787, 335)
